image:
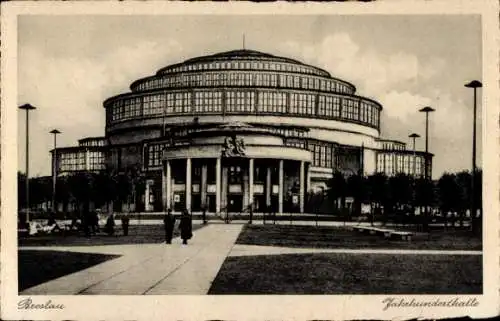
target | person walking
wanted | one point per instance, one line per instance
(186, 227)
(110, 225)
(169, 222)
(125, 224)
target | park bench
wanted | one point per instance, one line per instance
(387, 233)
(405, 236)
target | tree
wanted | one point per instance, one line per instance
(448, 191)
(463, 198)
(357, 189)
(424, 198)
(401, 194)
(378, 193)
(336, 191)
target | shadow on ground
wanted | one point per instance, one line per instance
(36, 267)
(350, 274)
(138, 234)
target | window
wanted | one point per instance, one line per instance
(272, 102)
(153, 154)
(235, 175)
(208, 101)
(132, 107)
(326, 106)
(240, 101)
(118, 110)
(182, 103)
(322, 154)
(96, 160)
(72, 161)
(153, 104)
(350, 109)
(302, 104)
(169, 106)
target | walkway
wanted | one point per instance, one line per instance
(149, 268)
(175, 269)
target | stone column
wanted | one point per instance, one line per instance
(250, 182)
(167, 186)
(269, 186)
(308, 178)
(147, 192)
(218, 184)
(246, 187)
(203, 185)
(188, 184)
(280, 190)
(224, 187)
(301, 188)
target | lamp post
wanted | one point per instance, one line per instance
(54, 169)
(426, 110)
(474, 85)
(27, 108)
(414, 136)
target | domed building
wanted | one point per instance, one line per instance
(238, 129)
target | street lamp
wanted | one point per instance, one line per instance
(27, 108)
(473, 84)
(426, 110)
(54, 169)
(414, 136)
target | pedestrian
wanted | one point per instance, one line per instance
(125, 223)
(169, 222)
(110, 225)
(204, 215)
(186, 227)
(94, 222)
(86, 222)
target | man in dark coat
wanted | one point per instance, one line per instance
(186, 227)
(169, 222)
(110, 225)
(125, 223)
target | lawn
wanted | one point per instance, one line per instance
(138, 234)
(350, 274)
(36, 267)
(340, 237)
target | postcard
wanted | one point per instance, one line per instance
(249, 161)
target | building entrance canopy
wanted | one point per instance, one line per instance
(235, 168)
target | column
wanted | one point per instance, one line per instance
(269, 187)
(224, 187)
(217, 185)
(203, 185)
(280, 190)
(301, 188)
(146, 196)
(308, 178)
(188, 184)
(250, 182)
(167, 186)
(246, 187)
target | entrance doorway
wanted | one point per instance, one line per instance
(234, 202)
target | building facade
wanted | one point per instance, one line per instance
(241, 129)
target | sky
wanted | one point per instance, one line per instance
(68, 65)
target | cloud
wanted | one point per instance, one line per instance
(69, 91)
(373, 72)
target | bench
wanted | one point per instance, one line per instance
(387, 233)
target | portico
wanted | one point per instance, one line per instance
(235, 168)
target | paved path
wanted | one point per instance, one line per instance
(149, 268)
(251, 250)
(174, 269)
